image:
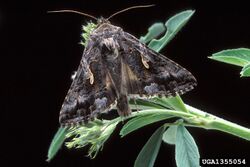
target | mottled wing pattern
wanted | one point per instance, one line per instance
(152, 74)
(116, 65)
(91, 92)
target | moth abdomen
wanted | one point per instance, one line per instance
(123, 108)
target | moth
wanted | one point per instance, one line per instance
(116, 67)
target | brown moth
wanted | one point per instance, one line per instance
(116, 66)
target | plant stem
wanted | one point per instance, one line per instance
(229, 127)
(210, 121)
(196, 118)
(174, 113)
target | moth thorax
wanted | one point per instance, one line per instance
(110, 48)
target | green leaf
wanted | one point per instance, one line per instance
(140, 104)
(56, 143)
(148, 154)
(186, 151)
(169, 135)
(245, 72)
(175, 103)
(174, 25)
(239, 57)
(141, 121)
(153, 32)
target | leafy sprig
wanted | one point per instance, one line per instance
(96, 133)
(87, 29)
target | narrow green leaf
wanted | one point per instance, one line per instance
(239, 57)
(245, 72)
(186, 150)
(162, 102)
(175, 103)
(148, 154)
(141, 121)
(169, 135)
(140, 104)
(56, 143)
(153, 32)
(174, 25)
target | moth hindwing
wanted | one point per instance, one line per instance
(115, 66)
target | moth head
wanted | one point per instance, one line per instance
(102, 20)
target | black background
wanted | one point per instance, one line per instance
(40, 51)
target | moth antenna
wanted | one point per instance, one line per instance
(126, 9)
(73, 11)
